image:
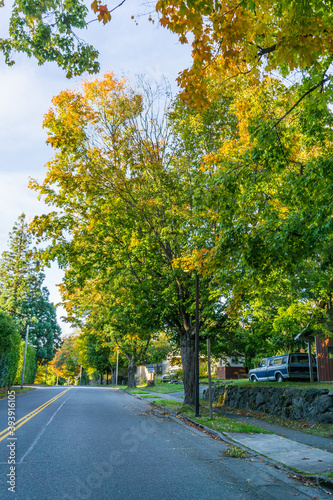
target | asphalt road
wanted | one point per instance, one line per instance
(102, 444)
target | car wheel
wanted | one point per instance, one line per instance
(253, 378)
(279, 378)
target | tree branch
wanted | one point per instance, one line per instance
(263, 51)
(301, 99)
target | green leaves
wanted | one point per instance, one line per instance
(128, 198)
(44, 30)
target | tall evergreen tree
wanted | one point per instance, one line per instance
(18, 271)
(22, 295)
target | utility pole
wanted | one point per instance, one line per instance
(117, 366)
(197, 409)
(209, 381)
(25, 352)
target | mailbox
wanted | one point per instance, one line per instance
(151, 376)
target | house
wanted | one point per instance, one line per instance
(231, 367)
(143, 370)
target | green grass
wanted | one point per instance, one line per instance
(204, 380)
(150, 396)
(137, 391)
(234, 451)
(17, 390)
(168, 403)
(283, 385)
(166, 388)
(218, 422)
(324, 430)
(328, 474)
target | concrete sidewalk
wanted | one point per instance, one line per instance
(308, 454)
(287, 452)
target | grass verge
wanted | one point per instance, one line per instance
(150, 396)
(218, 422)
(17, 391)
(324, 430)
(137, 391)
(166, 388)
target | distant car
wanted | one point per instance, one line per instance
(294, 366)
(170, 375)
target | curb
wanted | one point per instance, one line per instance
(178, 416)
(319, 480)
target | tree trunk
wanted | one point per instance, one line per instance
(113, 376)
(107, 377)
(187, 350)
(131, 373)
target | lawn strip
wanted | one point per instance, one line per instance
(150, 396)
(218, 422)
(166, 388)
(324, 430)
(137, 391)
(3, 395)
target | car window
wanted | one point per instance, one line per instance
(277, 361)
(284, 360)
(299, 358)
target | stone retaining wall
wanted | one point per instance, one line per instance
(312, 405)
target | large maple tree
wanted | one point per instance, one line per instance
(126, 227)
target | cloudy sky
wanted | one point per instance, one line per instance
(26, 90)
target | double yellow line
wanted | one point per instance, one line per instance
(22, 421)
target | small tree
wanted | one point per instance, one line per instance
(65, 362)
(96, 353)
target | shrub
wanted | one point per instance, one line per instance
(179, 374)
(203, 370)
(9, 349)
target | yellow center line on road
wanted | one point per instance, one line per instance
(27, 417)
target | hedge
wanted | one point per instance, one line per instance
(9, 349)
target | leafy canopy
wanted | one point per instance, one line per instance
(234, 38)
(126, 223)
(46, 30)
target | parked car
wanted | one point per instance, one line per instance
(294, 366)
(170, 375)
